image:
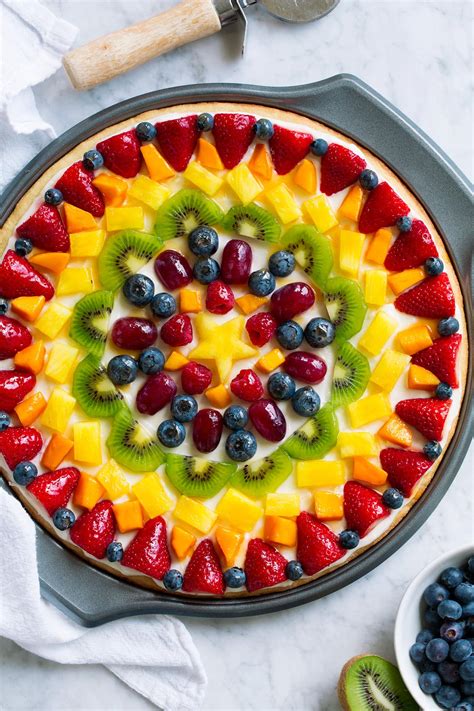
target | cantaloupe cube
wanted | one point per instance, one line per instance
(229, 542)
(87, 444)
(194, 514)
(190, 301)
(202, 178)
(78, 220)
(113, 480)
(175, 361)
(305, 176)
(113, 189)
(124, 218)
(286, 505)
(243, 183)
(148, 191)
(368, 473)
(88, 491)
(87, 244)
(61, 360)
(379, 331)
(369, 409)
(375, 287)
(238, 510)
(280, 530)
(53, 320)
(157, 167)
(58, 410)
(56, 451)
(28, 307)
(260, 163)
(351, 245)
(270, 361)
(53, 261)
(283, 202)
(75, 280)
(320, 472)
(152, 495)
(379, 246)
(415, 338)
(128, 516)
(219, 396)
(250, 303)
(208, 156)
(352, 204)
(396, 431)
(389, 368)
(30, 409)
(356, 444)
(31, 358)
(328, 506)
(404, 280)
(182, 542)
(421, 379)
(321, 212)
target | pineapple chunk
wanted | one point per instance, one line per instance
(238, 510)
(389, 368)
(286, 505)
(369, 409)
(87, 244)
(356, 444)
(379, 331)
(148, 191)
(124, 218)
(352, 204)
(321, 212)
(53, 320)
(320, 472)
(87, 444)
(404, 280)
(379, 246)
(282, 200)
(61, 362)
(75, 280)
(195, 514)
(328, 506)
(151, 493)
(351, 245)
(375, 287)
(58, 410)
(244, 184)
(112, 479)
(203, 178)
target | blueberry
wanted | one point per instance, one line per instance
(263, 129)
(241, 445)
(24, 473)
(4, 420)
(319, 147)
(404, 223)
(234, 577)
(393, 498)
(306, 401)
(449, 672)
(463, 705)
(163, 305)
(468, 610)
(53, 196)
(289, 335)
(262, 282)
(470, 565)
(151, 361)
(3, 306)
(171, 433)
(114, 551)
(466, 669)
(93, 160)
(368, 179)
(205, 122)
(451, 577)
(203, 241)
(432, 619)
(236, 417)
(426, 666)
(122, 369)
(447, 697)
(64, 518)
(173, 580)
(294, 570)
(138, 290)
(206, 270)
(23, 246)
(449, 610)
(429, 682)
(145, 131)
(319, 332)
(434, 266)
(432, 450)
(437, 650)
(464, 593)
(448, 326)
(451, 631)
(424, 636)
(349, 539)
(282, 263)
(443, 391)
(417, 652)
(467, 687)
(184, 408)
(281, 386)
(460, 650)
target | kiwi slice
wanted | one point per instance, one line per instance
(196, 476)
(312, 251)
(346, 306)
(90, 321)
(263, 475)
(252, 221)
(370, 683)
(316, 437)
(93, 390)
(351, 375)
(124, 254)
(185, 211)
(132, 445)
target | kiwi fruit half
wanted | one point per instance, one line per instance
(264, 475)
(90, 321)
(312, 251)
(196, 476)
(346, 306)
(316, 437)
(252, 221)
(124, 254)
(183, 212)
(351, 375)
(132, 445)
(93, 390)
(370, 683)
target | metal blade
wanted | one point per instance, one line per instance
(299, 10)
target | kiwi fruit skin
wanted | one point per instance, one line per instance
(264, 475)
(252, 221)
(349, 360)
(123, 255)
(316, 437)
(349, 317)
(143, 455)
(96, 306)
(312, 251)
(183, 212)
(88, 374)
(196, 476)
(348, 693)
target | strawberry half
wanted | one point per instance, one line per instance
(404, 468)
(426, 414)
(382, 208)
(13, 337)
(233, 134)
(440, 358)
(19, 278)
(264, 565)
(318, 546)
(54, 489)
(178, 139)
(45, 229)
(288, 148)
(121, 154)
(363, 507)
(14, 385)
(77, 189)
(148, 551)
(94, 530)
(203, 573)
(340, 167)
(20, 444)
(432, 298)
(411, 249)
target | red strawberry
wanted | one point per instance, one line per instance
(318, 546)
(77, 189)
(45, 229)
(233, 134)
(340, 167)
(404, 468)
(54, 489)
(411, 249)
(261, 328)
(220, 298)
(440, 358)
(13, 337)
(203, 573)
(363, 507)
(13, 388)
(121, 154)
(247, 385)
(94, 530)
(178, 139)
(20, 444)
(264, 565)
(148, 551)
(288, 148)
(19, 278)
(381, 209)
(432, 298)
(426, 414)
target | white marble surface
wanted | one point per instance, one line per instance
(417, 54)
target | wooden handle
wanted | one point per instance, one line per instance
(106, 57)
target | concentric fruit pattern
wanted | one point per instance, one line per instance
(90, 321)
(196, 476)
(183, 212)
(93, 390)
(123, 255)
(312, 251)
(263, 476)
(316, 437)
(132, 445)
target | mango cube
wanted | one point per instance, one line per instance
(56, 451)
(351, 206)
(280, 530)
(113, 480)
(152, 495)
(328, 506)
(203, 178)
(157, 167)
(53, 261)
(148, 191)
(78, 220)
(175, 361)
(113, 189)
(351, 245)
(87, 244)
(189, 301)
(415, 338)
(379, 331)
(260, 162)
(58, 410)
(305, 176)
(61, 360)
(194, 514)
(389, 368)
(379, 246)
(321, 212)
(238, 510)
(375, 287)
(88, 491)
(244, 184)
(219, 396)
(124, 218)
(182, 542)
(31, 358)
(229, 542)
(75, 280)
(356, 444)
(270, 361)
(283, 202)
(87, 444)
(368, 409)
(396, 432)
(286, 505)
(28, 307)
(368, 473)
(30, 409)
(53, 320)
(421, 379)
(128, 516)
(404, 280)
(320, 472)
(250, 303)
(208, 156)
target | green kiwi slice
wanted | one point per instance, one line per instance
(312, 251)
(264, 475)
(351, 375)
(183, 212)
(132, 445)
(370, 683)
(316, 437)
(196, 476)
(346, 306)
(90, 321)
(93, 390)
(124, 254)
(252, 221)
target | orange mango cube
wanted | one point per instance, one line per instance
(219, 396)
(229, 542)
(31, 358)
(56, 451)
(175, 361)
(421, 379)
(250, 303)
(128, 515)
(208, 156)
(189, 301)
(260, 163)
(30, 409)
(28, 307)
(379, 246)
(88, 491)
(401, 281)
(280, 530)
(352, 204)
(157, 167)
(396, 431)
(415, 338)
(55, 262)
(305, 176)
(367, 472)
(270, 361)
(78, 220)
(328, 506)
(113, 189)
(182, 542)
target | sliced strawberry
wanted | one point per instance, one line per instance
(440, 358)
(14, 385)
(432, 298)
(54, 489)
(121, 154)
(94, 530)
(318, 546)
(13, 337)
(264, 565)
(77, 189)
(340, 167)
(363, 508)
(288, 148)
(411, 249)
(426, 414)
(19, 444)
(19, 278)
(382, 208)
(203, 573)
(45, 229)
(404, 468)
(178, 139)
(233, 134)
(148, 551)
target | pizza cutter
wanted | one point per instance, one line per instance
(189, 20)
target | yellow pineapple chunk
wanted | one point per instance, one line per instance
(282, 200)
(328, 506)
(238, 510)
(87, 244)
(53, 320)
(112, 478)
(379, 331)
(286, 505)
(356, 444)
(124, 218)
(75, 280)
(58, 410)
(375, 287)
(320, 472)
(352, 204)
(148, 191)
(351, 245)
(369, 409)
(244, 184)
(321, 212)
(61, 361)
(203, 178)
(195, 514)
(389, 368)
(87, 444)
(152, 495)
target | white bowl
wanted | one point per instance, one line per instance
(409, 620)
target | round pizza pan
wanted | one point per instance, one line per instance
(346, 104)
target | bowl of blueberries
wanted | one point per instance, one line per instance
(434, 633)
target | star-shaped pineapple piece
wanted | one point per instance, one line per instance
(222, 344)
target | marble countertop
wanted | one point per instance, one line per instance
(416, 54)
